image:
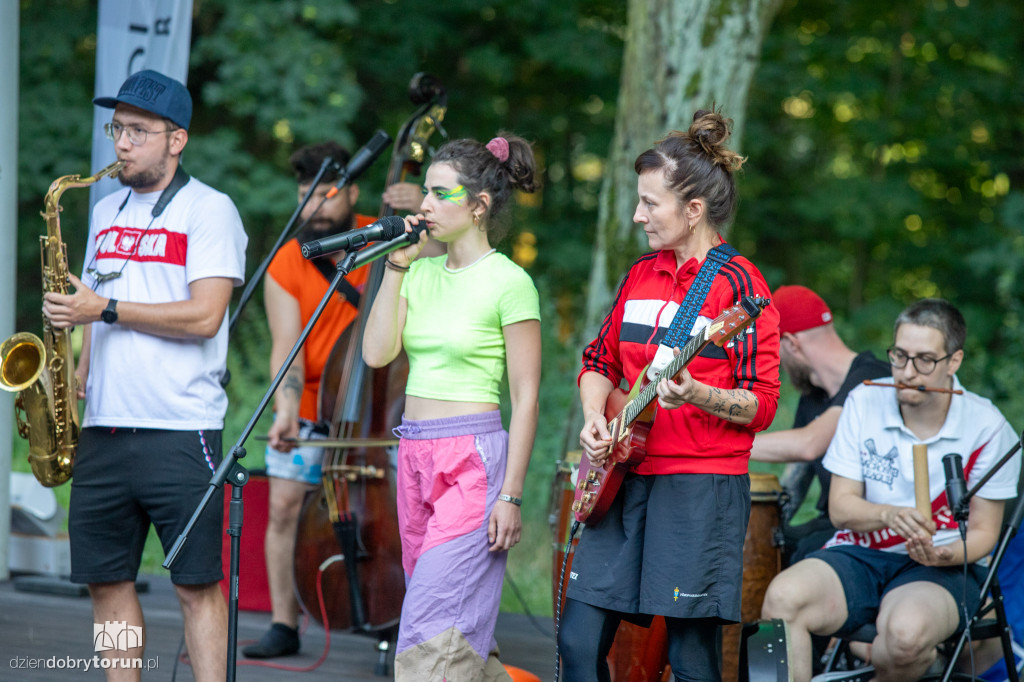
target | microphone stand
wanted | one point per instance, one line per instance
(232, 471)
(358, 163)
(250, 287)
(1009, 530)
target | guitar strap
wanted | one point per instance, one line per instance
(682, 324)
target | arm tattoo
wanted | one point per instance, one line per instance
(729, 404)
(292, 385)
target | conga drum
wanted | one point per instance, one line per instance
(638, 654)
(762, 561)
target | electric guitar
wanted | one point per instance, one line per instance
(630, 416)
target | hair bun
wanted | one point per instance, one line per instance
(710, 130)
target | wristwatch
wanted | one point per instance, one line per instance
(109, 314)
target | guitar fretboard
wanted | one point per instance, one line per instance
(649, 392)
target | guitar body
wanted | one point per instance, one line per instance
(596, 486)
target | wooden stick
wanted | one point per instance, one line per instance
(955, 391)
(922, 493)
(343, 443)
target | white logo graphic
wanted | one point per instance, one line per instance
(116, 636)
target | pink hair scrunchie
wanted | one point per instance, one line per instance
(499, 147)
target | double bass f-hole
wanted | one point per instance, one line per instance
(353, 513)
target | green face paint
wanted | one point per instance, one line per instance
(454, 195)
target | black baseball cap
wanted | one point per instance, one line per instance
(156, 93)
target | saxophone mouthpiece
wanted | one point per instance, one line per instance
(112, 170)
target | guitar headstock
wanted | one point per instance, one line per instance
(734, 320)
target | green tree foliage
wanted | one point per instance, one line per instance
(546, 71)
(885, 166)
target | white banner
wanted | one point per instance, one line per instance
(134, 35)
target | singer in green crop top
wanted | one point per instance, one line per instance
(464, 320)
(453, 325)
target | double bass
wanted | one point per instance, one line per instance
(348, 551)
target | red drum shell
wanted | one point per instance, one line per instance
(762, 561)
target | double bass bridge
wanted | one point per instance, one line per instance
(353, 472)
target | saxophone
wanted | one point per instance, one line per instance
(42, 372)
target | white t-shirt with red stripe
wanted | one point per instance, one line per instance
(144, 380)
(873, 445)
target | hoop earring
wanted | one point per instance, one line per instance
(693, 228)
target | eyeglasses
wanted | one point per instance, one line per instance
(136, 135)
(922, 363)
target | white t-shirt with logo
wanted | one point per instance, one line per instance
(873, 445)
(143, 380)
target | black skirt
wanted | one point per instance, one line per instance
(670, 545)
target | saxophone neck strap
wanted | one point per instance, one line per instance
(179, 180)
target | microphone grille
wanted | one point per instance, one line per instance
(393, 226)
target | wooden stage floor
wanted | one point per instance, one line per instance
(36, 627)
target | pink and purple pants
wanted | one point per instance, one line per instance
(450, 472)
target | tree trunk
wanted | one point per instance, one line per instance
(680, 56)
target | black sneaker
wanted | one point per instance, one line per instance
(279, 640)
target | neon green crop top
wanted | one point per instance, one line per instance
(453, 325)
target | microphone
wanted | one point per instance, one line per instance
(385, 229)
(372, 253)
(956, 486)
(361, 161)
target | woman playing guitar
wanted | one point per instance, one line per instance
(671, 542)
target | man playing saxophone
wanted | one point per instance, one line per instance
(162, 258)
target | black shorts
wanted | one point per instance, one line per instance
(125, 479)
(670, 545)
(869, 574)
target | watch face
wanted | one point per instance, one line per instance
(109, 314)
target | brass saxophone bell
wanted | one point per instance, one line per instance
(21, 361)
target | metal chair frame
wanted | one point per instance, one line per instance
(988, 621)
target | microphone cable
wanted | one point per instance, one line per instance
(963, 599)
(561, 586)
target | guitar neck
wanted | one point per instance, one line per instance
(646, 396)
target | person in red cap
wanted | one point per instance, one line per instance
(824, 370)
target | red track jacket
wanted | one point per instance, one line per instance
(688, 440)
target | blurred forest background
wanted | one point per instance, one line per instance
(884, 143)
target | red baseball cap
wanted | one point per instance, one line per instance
(800, 309)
